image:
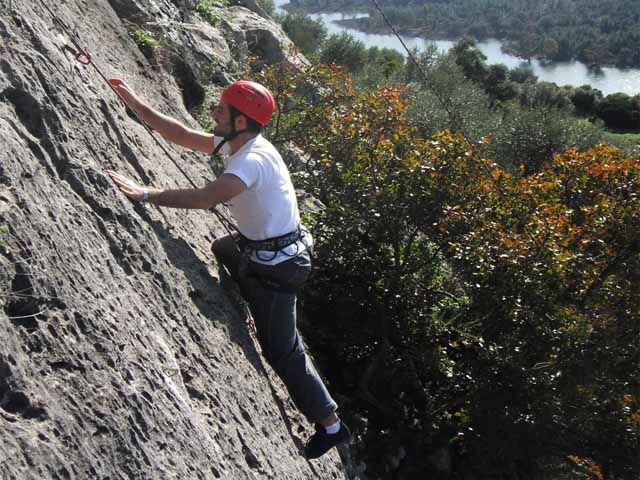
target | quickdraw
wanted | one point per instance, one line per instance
(84, 57)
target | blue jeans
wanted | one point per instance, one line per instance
(270, 291)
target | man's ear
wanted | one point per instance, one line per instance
(240, 122)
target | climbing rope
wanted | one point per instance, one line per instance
(443, 101)
(445, 104)
(83, 56)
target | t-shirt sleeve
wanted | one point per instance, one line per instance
(248, 169)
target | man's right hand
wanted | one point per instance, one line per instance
(168, 127)
(125, 93)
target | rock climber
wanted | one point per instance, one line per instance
(270, 257)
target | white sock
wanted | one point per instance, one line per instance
(331, 429)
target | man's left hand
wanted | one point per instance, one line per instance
(127, 186)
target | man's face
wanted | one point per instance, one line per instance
(222, 116)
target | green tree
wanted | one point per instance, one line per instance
(527, 138)
(497, 83)
(426, 59)
(343, 49)
(550, 48)
(586, 99)
(383, 67)
(307, 33)
(449, 100)
(545, 94)
(268, 6)
(620, 111)
(528, 45)
(595, 54)
(522, 75)
(470, 59)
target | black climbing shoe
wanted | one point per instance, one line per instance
(321, 441)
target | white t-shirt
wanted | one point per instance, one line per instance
(268, 208)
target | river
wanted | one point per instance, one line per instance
(607, 79)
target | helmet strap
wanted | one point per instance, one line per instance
(234, 133)
(219, 147)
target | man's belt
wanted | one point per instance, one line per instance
(274, 244)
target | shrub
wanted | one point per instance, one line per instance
(384, 66)
(493, 316)
(522, 75)
(620, 111)
(4, 232)
(207, 9)
(269, 6)
(203, 113)
(306, 33)
(344, 50)
(146, 42)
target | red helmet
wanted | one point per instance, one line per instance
(251, 99)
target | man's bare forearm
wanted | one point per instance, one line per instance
(170, 128)
(174, 131)
(191, 198)
(219, 191)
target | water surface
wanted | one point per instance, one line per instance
(608, 79)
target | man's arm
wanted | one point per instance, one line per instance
(168, 127)
(221, 190)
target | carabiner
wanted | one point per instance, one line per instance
(84, 57)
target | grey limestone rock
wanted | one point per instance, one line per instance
(254, 6)
(121, 357)
(262, 37)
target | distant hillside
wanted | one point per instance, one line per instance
(595, 32)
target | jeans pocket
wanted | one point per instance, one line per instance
(292, 273)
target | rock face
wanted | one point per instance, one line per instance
(121, 356)
(261, 38)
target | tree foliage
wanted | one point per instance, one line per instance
(620, 111)
(308, 34)
(602, 32)
(384, 66)
(490, 314)
(527, 122)
(344, 50)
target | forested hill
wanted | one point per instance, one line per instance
(597, 32)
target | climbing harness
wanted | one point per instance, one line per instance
(267, 250)
(275, 243)
(82, 55)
